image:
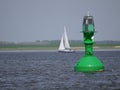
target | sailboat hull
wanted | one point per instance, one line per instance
(66, 51)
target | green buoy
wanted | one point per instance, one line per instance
(89, 62)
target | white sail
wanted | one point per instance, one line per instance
(66, 42)
(61, 47)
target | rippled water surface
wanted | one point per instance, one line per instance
(54, 71)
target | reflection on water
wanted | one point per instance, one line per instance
(54, 71)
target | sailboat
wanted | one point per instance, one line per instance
(64, 43)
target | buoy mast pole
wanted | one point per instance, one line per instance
(88, 33)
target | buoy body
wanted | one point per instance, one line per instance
(89, 62)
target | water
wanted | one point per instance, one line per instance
(51, 70)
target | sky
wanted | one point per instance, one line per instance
(31, 20)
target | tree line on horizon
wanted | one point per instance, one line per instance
(56, 43)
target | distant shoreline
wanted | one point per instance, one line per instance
(56, 50)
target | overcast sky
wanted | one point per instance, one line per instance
(31, 20)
